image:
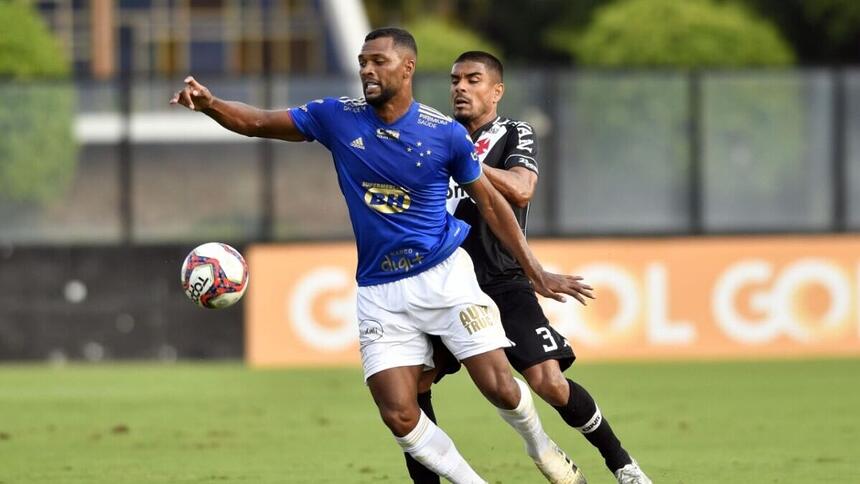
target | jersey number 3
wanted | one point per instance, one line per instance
(545, 334)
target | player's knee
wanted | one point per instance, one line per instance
(491, 373)
(400, 419)
(553, 389)
(504, 392)
(426, 380)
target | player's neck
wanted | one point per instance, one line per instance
(477, 123)
(395, 108)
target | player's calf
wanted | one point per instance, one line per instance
(553, 463)
(417, 471)
(432, 447)
(582, 413)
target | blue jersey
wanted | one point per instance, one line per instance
(394, 178)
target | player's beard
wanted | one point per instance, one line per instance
(463, 118)
(467, 115)
(386, 93)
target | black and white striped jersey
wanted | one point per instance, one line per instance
(501, 143)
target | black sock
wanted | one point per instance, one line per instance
(582, 413)
(417, 471)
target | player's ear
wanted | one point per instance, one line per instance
(408, 67)
(498, 91)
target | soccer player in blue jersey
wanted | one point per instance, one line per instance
(393, 158)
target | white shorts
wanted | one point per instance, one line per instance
(395, 318)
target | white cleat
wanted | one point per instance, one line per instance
(558, 468)
(631, 474)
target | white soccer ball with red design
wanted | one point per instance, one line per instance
(214, 275)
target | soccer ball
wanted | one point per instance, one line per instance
(214, 275)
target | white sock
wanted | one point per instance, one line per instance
(524, 419)
(431, 446)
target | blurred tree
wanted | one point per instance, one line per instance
(27, 49)
(37, 151)
(661, 33)
(440, 37)
(384, 13)
(440, 42)
(502, 23)
(520, 31)
(821, 31)
(840, 18)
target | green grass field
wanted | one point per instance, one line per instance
(694, 423)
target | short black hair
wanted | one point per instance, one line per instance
(401, 37)
(490, 61)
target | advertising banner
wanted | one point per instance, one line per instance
(713, 297)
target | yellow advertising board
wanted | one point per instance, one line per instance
(714, 297)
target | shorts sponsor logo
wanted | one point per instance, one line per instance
(476, 318)
(369, 331)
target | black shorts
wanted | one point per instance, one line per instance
(535, 341)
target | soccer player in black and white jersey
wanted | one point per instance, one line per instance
(508, 150)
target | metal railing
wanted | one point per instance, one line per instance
(621, 153)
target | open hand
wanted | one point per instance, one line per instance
(194, 96)
(554, 286)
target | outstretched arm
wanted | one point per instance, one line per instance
(238, 117)
(500, 218)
